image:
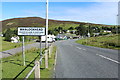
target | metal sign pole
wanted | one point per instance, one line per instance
(23, 51)
(40, 47)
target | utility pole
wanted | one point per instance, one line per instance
(117, 24)
(46, 43)
(117, 18)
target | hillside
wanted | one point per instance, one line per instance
(111, 41)
(37, 21)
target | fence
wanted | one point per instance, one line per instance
(36, 68)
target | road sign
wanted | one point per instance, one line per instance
(31, 31)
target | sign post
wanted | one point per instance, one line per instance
(23, 50)
(40, 48)
(30, 31)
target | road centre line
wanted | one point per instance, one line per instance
(78, 47)
(84, 49)
(108, 59)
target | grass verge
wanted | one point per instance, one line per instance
(8, 45)
(110, 42)
(12, 66)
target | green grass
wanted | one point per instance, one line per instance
(12, 65)
(48, 73)
(110, 42)
(8, 45)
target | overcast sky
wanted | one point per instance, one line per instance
(95, 12)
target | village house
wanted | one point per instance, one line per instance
(15, 39)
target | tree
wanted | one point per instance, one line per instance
(90, 30)
(60, 29)
(71, 28)
(8, 34)
(50, 32)
(64, 31)
(81, 30)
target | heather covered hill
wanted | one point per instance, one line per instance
(37, 21)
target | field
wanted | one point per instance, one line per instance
(12, 66)
(8, 45)
(110, 42)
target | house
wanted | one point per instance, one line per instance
(1, 35)
(96, 34)
(15, 39)
(50, 38)
(107, 31)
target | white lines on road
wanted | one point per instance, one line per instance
(80, 48)
(84, 49)
(108, 58)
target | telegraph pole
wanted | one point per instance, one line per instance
(46, 43)
(117, 18)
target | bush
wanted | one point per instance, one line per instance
(8, 34)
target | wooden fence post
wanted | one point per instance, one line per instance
(50, 52)
(37, 70)
(46, 59)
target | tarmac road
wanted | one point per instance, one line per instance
(19, 49)
(80, 61)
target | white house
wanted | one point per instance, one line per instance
(15, 39)
(1, 35)
(107, 31)
(50, 38)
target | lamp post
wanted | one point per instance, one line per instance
(117, 23)
(117, 18)
(46, 43)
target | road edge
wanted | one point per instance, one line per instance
(54, 74)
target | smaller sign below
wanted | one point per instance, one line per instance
(31, 31)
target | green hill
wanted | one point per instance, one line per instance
(37, 21)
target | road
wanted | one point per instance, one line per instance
(19, 49)
(79, 61)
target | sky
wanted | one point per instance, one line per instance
(93, 12)
(60, 0)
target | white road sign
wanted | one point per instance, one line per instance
(31, 31)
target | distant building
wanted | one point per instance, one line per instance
(68, 31)
(1, 35)
(15, 39)
(107, 31)
(71, 31)
(50, 38)
(96, 34)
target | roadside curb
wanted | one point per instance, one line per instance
(54, 74)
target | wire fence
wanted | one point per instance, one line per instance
(36, 68)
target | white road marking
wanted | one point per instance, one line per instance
(108, 59)
(84, 49)
(81, 48)
(78, 48)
